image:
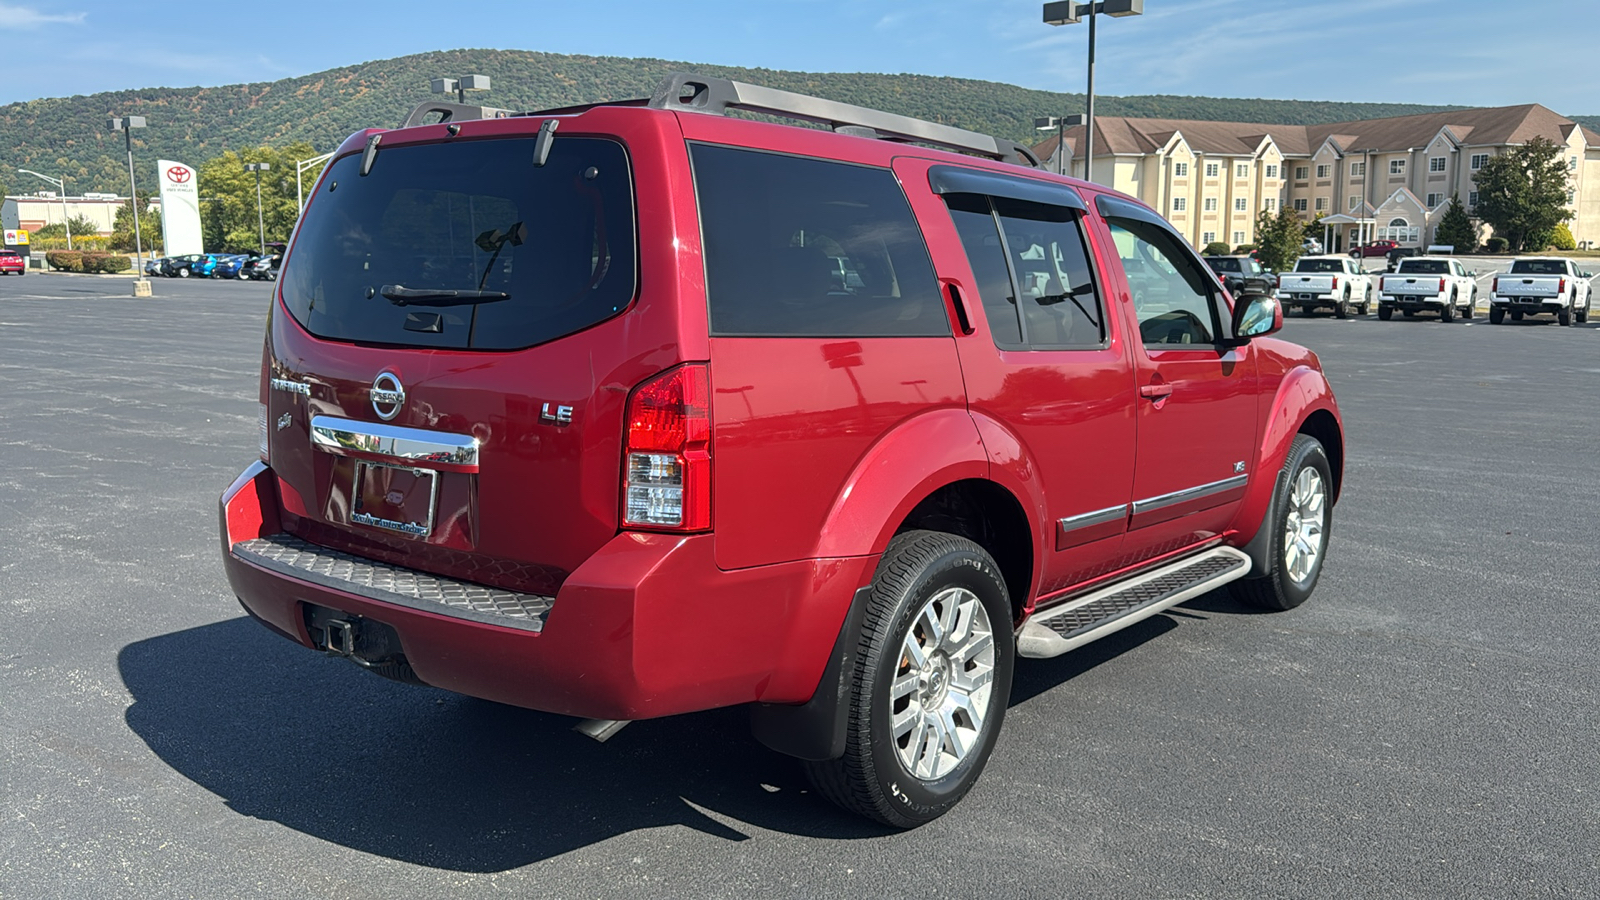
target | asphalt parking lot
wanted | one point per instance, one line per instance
(1425, 726)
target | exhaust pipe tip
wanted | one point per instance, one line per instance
(600, 729)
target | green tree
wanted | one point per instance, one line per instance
(1455, 228)
(1523, 192)
(1561, 238)
(228, 196)
(1278, 238)
(149, 228)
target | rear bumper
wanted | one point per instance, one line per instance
(648, 626)
(1413, 301)
(1536, 304)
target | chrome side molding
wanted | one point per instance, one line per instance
(1098, 517)
(1194, 493)
(410, 446)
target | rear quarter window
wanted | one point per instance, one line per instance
(378, 256)
(806, 247)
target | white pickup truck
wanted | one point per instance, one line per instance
(1333, 282)
(1550, 284)
(1431, 283)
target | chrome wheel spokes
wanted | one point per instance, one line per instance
(1303, 527)
(940, 693)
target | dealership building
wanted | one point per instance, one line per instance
(1371, 180)
(31, 212)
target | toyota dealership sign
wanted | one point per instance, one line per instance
(180, 208)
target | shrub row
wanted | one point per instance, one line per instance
(78, 261)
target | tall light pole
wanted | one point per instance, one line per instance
(300, 167)
(460, 85)
(61, 183)
(126, 125)
(1069, 12)
(1060, 124)
(261, 221)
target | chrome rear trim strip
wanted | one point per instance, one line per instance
(1098, 517)
(411, 446)
(1194, 493)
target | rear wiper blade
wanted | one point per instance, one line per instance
(400, 295)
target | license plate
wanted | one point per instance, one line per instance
(1303, 296)
(394, 498)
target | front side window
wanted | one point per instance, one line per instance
(808, 247)
(1035, 282)
(466, 245)
(1172, 296)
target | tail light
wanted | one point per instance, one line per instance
(1335, 282)
(1496, 288)
(666, 470)
(1441, 285)
(1563, 288)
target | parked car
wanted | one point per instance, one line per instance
(1240, 274)
(1395, 255)
(205, 266)
(180, 266)
(230, 265)
(1311, 247)
(264, 268)
(1375, 248)
(632, 449)
(12, 263)
(1542, 285)
(1326, 282)
(152, 266)
(1428, 283)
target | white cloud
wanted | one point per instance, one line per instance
(21, 17)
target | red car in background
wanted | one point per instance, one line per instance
(12, 263)
(1376, 248)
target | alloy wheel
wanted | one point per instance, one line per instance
(940, 694)
(1302, 530)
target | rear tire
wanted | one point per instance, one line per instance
(1302, 517)
(930, 686)
(1342, 308)
(1385, 313)
(1472, 305)
(1564, 317)
(1447, 313)
(1497, 315)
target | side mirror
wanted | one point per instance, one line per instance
(1255, 315)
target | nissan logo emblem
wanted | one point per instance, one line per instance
(388, 395)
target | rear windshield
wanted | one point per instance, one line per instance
(1319, 265)
(1538, 267)
(1223, 264)
(1424, 267)
(467, 245)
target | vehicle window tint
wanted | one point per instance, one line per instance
(1171, 295)
(1424, 267)
(974, 221)
(799, 246)
(1319, 265)
(467, 245)
(1060, 307)
(1538, 267)
(1224, 264)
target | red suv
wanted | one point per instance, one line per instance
(12, 263)
(637, 409)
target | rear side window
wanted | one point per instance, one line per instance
(467, 245)
(806, 247)
(1033, 272)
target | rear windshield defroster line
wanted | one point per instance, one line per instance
(505, 253)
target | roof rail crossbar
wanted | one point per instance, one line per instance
(695, 93)
(451, 112)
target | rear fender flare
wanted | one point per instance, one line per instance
(1302, 392)
(907, 464)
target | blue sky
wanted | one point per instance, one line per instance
(1478, 53)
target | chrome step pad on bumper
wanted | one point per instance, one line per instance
(1071, 625)
(288, 555)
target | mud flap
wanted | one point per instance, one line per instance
(817, 729)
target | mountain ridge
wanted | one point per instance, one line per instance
(71, 134)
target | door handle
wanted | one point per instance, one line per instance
(1155, 391)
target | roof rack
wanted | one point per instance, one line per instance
(695, 93)
(686, 92)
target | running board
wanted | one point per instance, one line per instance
(1054, 631)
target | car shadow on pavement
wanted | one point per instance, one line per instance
(433, 778)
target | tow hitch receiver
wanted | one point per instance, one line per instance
(337, 637)
(368, 643)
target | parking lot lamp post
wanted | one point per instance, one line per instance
(1069, 12)
(461, 86)
(261, 222)
(126, 125)
(61, 184)
(1045, 123)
